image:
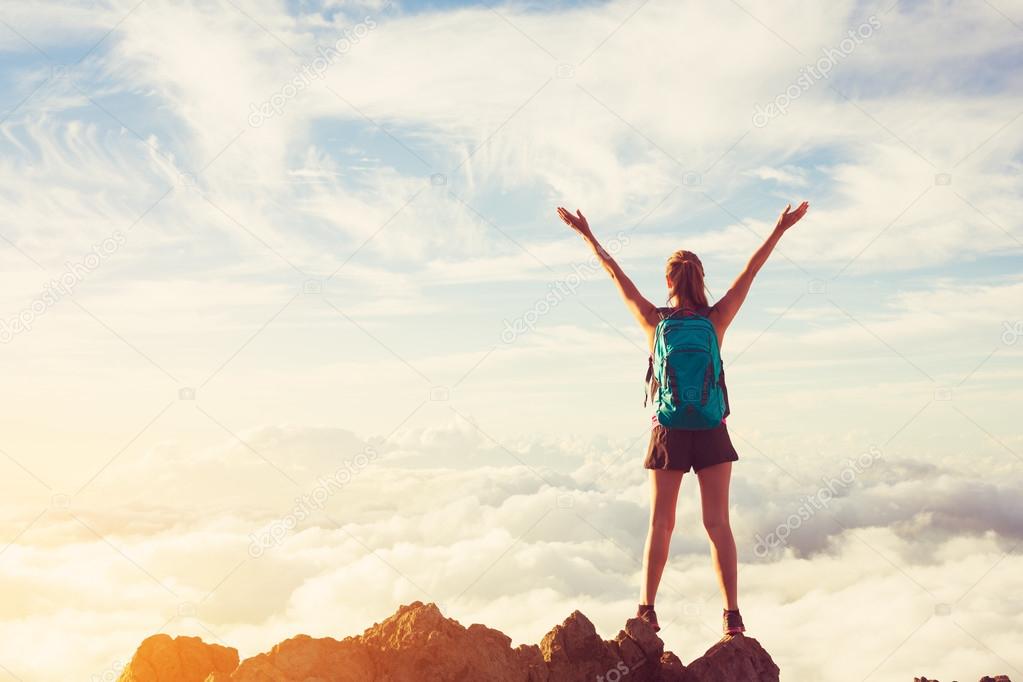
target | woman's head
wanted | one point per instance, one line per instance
(684, 276)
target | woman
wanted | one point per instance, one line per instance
(671, 451)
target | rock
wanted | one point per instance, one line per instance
(419, 643)
(997, 678)
(306, 658)
(532, 658)
(640, 649)
(735, 659)
(181, 659)
(672, 669)
(574, 652)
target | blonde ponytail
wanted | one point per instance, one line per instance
(686, 287)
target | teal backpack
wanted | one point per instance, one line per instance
(686, 364)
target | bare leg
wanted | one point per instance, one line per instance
(664, 487)
(714, 482)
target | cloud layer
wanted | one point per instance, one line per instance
(226, 547)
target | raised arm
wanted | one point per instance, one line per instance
(643, 310)
(729, 305)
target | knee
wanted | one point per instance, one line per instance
(662, 525)
(717, 526)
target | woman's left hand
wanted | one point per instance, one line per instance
(788, 217)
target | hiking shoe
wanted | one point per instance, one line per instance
(646, 612)
(733, 622)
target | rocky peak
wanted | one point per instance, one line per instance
(183, 659)
(419, 643)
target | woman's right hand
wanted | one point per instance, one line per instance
(576, 221)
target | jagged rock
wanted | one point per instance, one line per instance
(304, 658)
(574, 652)
(735, 658)
(419, 643)
(672, 669)
(640, 649)
(997, 678)
(181, 659)
(532, 659)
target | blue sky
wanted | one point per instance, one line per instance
(339, 275)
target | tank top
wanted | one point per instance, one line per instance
(651, 382)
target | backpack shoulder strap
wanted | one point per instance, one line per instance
(677, 313)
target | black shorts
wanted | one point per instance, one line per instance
(683, 449)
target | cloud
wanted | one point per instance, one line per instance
(788, 176)
(509, 545)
